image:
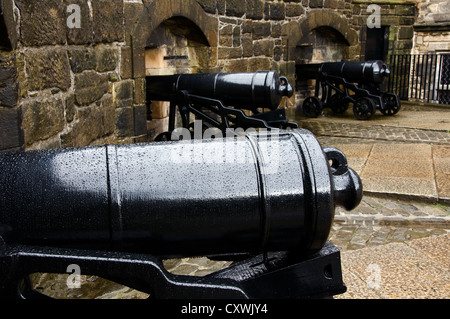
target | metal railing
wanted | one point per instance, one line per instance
(421, 77)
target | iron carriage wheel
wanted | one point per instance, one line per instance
(391, 104)
(337, 103)
(312, 106)
(364, 108)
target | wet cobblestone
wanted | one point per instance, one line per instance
(341, 131)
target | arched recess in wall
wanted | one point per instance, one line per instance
(182, 19)
(172, 37)
(323, 36)
(8, 37)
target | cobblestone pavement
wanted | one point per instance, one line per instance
(344, 128)
(378, 220)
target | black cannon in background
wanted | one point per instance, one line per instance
(219, 99)
(265, 200)
(343, 83)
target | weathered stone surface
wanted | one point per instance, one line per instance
(406, 32)
(255, 9)
(106, 57)
(294, 10)
(140, 120)
(275, 10)
(123, 93)
(247, 45)
(126, 66)
(263, 47)
(124, 122)
(140, 91)
(236, 65)
(42, 22)
(316, 3)
(208, 5)
(9, 129)
(84, 34)
(81, 59)
(109, 114)
(259, 30)
(47, 68)
(235, 8)
(108, 21)
(90, 87)
(259, 64)
(230, 53)
(42, 118)
(89, 126)
(8, 80)
(70, 108)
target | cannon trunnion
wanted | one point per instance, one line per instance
(343, 83)
(265, 199)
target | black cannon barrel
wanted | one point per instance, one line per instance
(360, 72)
(262, 89)
(245, 194)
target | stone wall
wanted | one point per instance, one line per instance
(432, 29)
(398, 16)
(64, 86)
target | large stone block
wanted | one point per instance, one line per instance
(8, 81)
(294, 9)
(140, 120)
(42, 22)
(42, 118)
(109, 114)
(108, 21)
(9, 129)
(47, 68)
(209, 6)
(316, 3)
(126, 66)
(106, 57)
(235, 8)
(259, 30)
(81, 59)
(275, 11)
(90, 87)
(229, 53)
(70, 108)
(263, 47)
(123, 93)
(89, 126)
(124, 122)
(82, 33)
(255, 9)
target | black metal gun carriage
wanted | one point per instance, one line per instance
(223, 100)
(342, 84)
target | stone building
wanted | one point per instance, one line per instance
(72, 72)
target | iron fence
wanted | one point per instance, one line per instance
(421, 77)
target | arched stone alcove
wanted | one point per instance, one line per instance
(171, 37)
(323, 36)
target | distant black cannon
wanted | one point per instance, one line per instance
(343, 83)
(117, 210)
(218, 99)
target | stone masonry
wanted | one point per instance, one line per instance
(69, 85)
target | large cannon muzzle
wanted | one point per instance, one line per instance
(263, 89)
(247, 194)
